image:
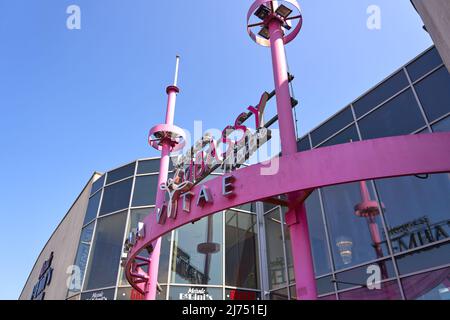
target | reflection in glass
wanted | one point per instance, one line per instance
(389, 291)
(275, 251)
(359, 276)
(321, 256)
(81, 258)
(417, 209)
(429, 257)
(434, 285)
(138, 215)
(354, 237)
(241, 250)
(106, 251)
(197, 252)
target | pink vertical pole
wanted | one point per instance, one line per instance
(150, 292)
(295, 217)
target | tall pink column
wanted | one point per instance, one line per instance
(295, 217)
(150, 293)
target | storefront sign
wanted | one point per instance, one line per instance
(107, 294)
(417, 233)
(45, 277)
(195, 294)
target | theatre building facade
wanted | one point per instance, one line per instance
(406, 237)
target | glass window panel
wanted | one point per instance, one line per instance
(97, 184)
(163, 269)
(163, 294)
(138, 215)
(269, 206)
(148, 166)
(275, 253)
(354, 239)
(442, 126)
(389, 291)
(434, 93)
(417, 210)
(237, 294)
(195, 293)
(381, 93)
(107, 294)
(303, 144)
(325, 285)
(424, 64)
(251, 207)
(430, 257)
(293, 292)
(281, 294)
(145, 191)
(81, 258)
(358, 276)
(434, 285)
(329, 297)
(92, 208)
(241, 250)
(289, 257)
(105, 257)
(116, 197)
(321, 256)
(397, 117)
(348, 135)
(197, 252)
(332, 126)
(121, 173)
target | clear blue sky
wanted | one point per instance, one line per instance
(77, 101)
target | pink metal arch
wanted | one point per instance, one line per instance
(364, 160)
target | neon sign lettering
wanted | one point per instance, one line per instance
(205, 157)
